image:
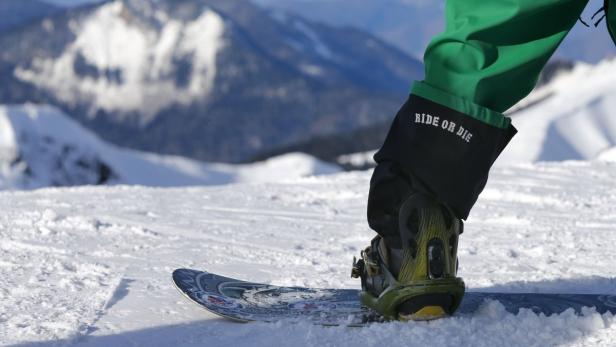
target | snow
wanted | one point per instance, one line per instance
(40, 146)
(209, 27)
(608, 155)
(91, 266)
(360, 159)
(131, 64)
(573, 119)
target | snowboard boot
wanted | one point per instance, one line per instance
(416, 281)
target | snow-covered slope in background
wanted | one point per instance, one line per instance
(92, 266)
(576, 120)
(40, 146)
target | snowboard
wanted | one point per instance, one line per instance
(246, 301)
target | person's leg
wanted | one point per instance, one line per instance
(436, 158)
(451, 130)
(492, 52)
(610, 13)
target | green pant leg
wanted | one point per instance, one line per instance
(610, 12)
(447, 136)
(492, 51)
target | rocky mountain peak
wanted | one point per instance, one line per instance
(210, 79)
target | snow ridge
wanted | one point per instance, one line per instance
(574, 122)
(41, 147)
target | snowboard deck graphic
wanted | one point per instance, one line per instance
(245, 301)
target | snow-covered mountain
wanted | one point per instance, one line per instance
(41, 147)
(570, 118)
(409, 24)
(211, 79)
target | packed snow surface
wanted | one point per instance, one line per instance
(92, 266)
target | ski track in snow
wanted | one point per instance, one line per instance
(92, 266)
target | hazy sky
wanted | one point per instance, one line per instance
(70, 2)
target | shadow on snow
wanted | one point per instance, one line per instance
(219, 332)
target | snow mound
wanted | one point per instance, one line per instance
(40, 146)
(283, 167)
(608, 155)
(572, 120)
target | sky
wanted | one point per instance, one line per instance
(583, 44)
(70, 2)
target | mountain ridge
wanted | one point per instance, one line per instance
(213, 80)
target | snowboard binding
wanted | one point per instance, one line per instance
(418, 280)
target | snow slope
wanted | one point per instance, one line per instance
(575, 120)
(91, 266)
(40, 147)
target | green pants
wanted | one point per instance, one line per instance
(446, 137)
(450, 131)
(492, 52)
